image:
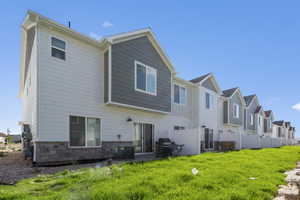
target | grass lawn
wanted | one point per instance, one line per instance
(221, 176)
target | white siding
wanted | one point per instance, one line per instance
(29, 94)
(185, 115)
(209, 117)
(75, 87)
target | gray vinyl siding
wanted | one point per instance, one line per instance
(250, 110)
(209, 85)
(106, 75)
(225, 113)
(235, 99)
(267, 123)
(124, 55)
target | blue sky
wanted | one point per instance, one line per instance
(251, 44)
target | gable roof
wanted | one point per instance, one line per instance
(258, 109)
(229, 92)
(287, 124)
(249, 98)
(33, 18)
(268, 113)
(200, 78)
(279, 123)
(121, 37)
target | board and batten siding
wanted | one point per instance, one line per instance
(124, 55)
(251, 110)
(75, 86)
(236, 100)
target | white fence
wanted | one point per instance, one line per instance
(193, 138)
(189, 138)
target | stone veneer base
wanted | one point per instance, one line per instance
(60, 152)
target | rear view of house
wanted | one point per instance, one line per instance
(83, 99)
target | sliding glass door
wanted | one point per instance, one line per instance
(143, 137)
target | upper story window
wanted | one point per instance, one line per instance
(179, 94)
(58, 48)
(208, 100)
(259, 120)
(145, 78)
(236, 110)
(251, 119)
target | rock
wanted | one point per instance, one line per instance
(293, 177)
(290, 192)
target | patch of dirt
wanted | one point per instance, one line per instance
(13, 167)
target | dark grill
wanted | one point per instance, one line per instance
(165, 147)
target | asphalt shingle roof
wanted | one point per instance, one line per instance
(268, 113)
(279, 123)
(248, 99)
(229, 92)
(200, 78)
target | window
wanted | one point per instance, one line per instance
(145, 78)
(236, 110)
(179, 95)
(270, 123)
(58, 48)
(177, 128)
(85, 131)
(251, 119)
(208, 100)
(259, 119)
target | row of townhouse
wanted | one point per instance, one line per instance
(82, 98)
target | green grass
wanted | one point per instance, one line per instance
(221, 176)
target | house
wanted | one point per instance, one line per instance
(278, 129)
(251, 120)
(208, 110)
(259, 116)
(83, 98)
(234, 107)
(268, 122)
(2, 138)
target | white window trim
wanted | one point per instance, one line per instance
(135, 78)
(185, 94)
(251, 119)
(210, 100)
(85, 121)
(64, 50)
(238, 111)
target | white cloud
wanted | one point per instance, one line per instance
(296, 106)
(95, 36)
(107, 24)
